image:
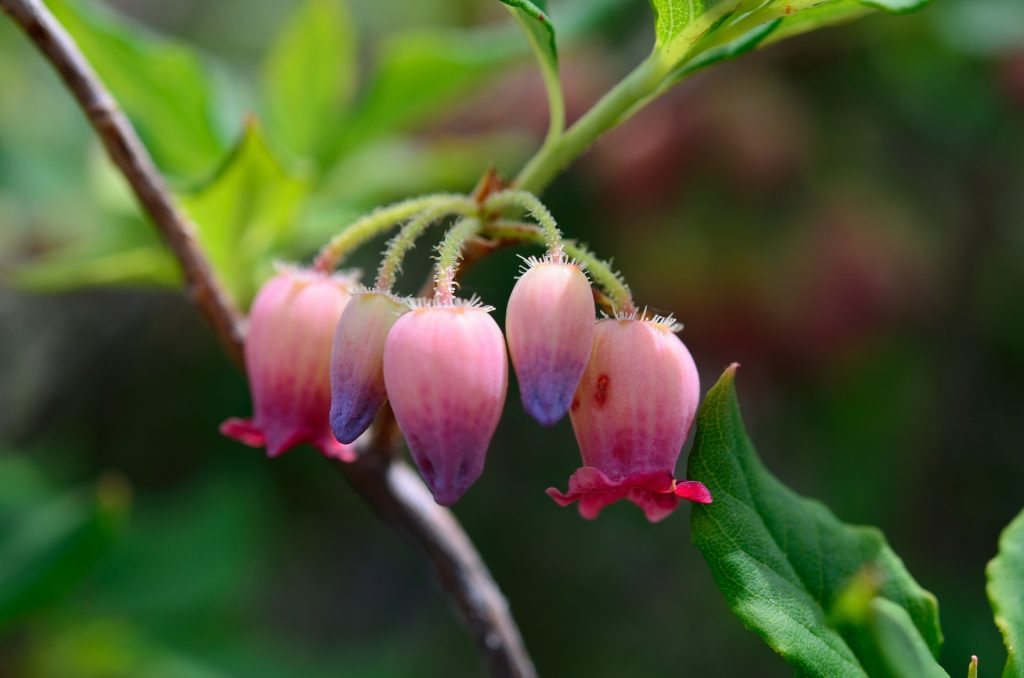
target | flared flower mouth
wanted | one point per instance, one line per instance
(656, 493)
(277, 442)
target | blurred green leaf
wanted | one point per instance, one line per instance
(57, 546)
(309, 76)
(142, 265)
(420, 72)
(247, 211)
(783, 561)
(106, 648)
(903, 651)
(1006, 593)
(163, 86)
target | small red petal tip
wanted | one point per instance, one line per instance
(694, 491)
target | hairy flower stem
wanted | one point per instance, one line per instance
(531, 204)
(600, 272)
(449, 252)
(380, 220)
(399, 246)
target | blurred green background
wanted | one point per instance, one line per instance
(840, 213)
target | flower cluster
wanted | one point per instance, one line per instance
(323, 356)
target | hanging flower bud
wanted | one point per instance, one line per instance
(287, 357)
(632, 413)
(446, 376)
(357, 362)
(550, 326)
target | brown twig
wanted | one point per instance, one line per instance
(389, 486)
(130, 156)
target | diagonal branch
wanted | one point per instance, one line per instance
(130, 156)
(389, 486)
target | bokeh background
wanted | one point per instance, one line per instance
(841, 214)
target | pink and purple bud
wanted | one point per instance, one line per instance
(446, 376)
(357, 362)
(287, 357)
(632, 412)
(550, 326)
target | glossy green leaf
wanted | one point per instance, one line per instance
(163, 86)
(56, 546)
(309, 76)
(783, 561)
(1006, 594)
(247, 211)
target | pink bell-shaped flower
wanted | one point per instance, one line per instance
(446, 376)
(550, 327)
(288, 357)
(632, 412)
(357, 362)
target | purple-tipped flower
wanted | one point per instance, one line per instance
(287, 357)
(446, 376)
(632, 413)
(550, 326)
(357, 362)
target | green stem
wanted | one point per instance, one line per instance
(531, 204)
(600, 272)
(400, 245)
(449, 253)
(552, 82)
(615, 107)
(378, 221)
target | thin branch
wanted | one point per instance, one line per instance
(396, 493)
(389, 486)
(130, 156)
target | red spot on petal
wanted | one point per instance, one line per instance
(601, 394)
(575, 404)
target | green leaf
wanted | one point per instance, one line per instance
(533, 17)
(420, 72)
(309, 76)
(730, 50)
(672, 17)
(56, 546)
(691, 34)
(783, 561)
(164, 87)
(1006, 593)
(535, 22)
(247, 211)
(904, 652)
(142, 265)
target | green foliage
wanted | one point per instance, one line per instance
(1006, 593)
(534, 18)
(419, 72)
(784, 562)
(164, 87)
(51, 548)
(691, 34)
(904, 653)
(246, 211)
(309, 76)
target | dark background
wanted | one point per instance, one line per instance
(840, 213)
